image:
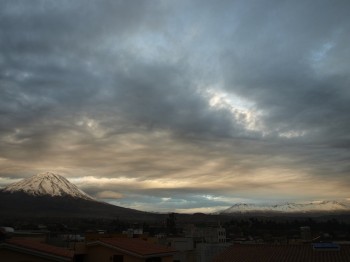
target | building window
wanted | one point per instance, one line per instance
(118, 258)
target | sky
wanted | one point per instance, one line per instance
(178, 106)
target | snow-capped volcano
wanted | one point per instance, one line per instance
(315, 206)
(47, 184)
(53, 196)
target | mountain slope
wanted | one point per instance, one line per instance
(51, 195)
(316, 206)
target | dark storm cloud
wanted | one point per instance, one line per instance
(56, 66)
(290, 61)
(181, 97)
(288, 58)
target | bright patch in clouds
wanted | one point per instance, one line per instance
(292, 134)
(90, 180)
(321, 53)
(109, 195)
(4, 181)
(243, 111)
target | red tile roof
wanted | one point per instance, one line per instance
(136, 246)
(40, 247)
(285, 253)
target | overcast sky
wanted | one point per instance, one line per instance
(178, 105)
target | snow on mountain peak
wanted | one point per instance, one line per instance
(315, 206)
(47, 184)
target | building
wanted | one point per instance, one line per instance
(184, 246)
(205, 252)
(16, 250)
(127, 250)
(305, 233)
(207, 234)
(114, 249)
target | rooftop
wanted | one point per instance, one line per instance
(286, 253)
(136, 246)
(29, 245)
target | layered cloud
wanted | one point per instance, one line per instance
(169, 101)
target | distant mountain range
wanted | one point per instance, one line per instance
(289, 208)
(52, 195)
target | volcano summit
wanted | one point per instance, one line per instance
(52, 195)
(47, 184)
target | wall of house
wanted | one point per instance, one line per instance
(185, 248)
(207, 251)
(13, 256)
